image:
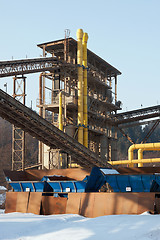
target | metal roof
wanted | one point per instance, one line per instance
(59, 44)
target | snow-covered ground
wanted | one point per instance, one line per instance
(3, 188)
(2, 198)
(2, 195)
(70, 226)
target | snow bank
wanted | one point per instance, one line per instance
(2, 198)
(2, 188)
(70, 226)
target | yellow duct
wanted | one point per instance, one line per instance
(140, 160)
(85, 108)
(141, 147)
(145, 147)
(40, 94)
(134, 161)
(80, 84)
(60, 121)
(60, 112)
(130, 158)
(140, 157)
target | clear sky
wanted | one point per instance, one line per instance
(126, 33)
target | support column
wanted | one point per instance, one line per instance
(18, 135)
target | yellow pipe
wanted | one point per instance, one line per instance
(144, 147)
(60, 121)
(80, 84)
(141, 148)
(85, 108)
(134, 161)
(60, 112)
(140, 157)
(40, 94)
(130, 158)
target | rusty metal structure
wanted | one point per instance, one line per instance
(26, 66)
(17, 69)
(29, 121)
(132, 118)
(84, 192)
(18, 135)
(102, 99)
(59, 76)
(76, 127)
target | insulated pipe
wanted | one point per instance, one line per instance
(130, 158)
(60, 112)
(40, 94)
(142, 147)
(60, 121)
(85, 107)
(140, 157)
(140, 160)
(80, 84)
(145, 146)
(134, 161)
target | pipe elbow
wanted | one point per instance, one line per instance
(131, 148)
(140, 150)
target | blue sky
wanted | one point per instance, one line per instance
(126, 33)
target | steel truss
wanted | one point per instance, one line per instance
(136, 115)
(25, 66)
(18, 135)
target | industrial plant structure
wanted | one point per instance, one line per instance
(79, 97)
(76, 126)
(78, 101)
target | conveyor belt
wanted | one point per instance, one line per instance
(136, 115)
(29, 121)
(26, 66)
